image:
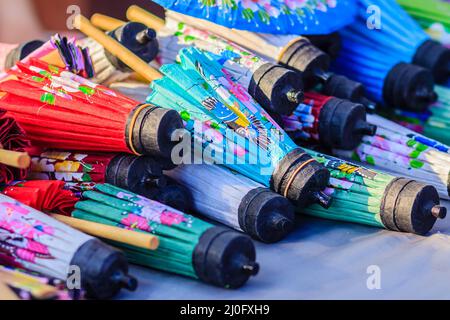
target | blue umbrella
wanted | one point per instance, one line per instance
(390, 30)
(270, 16)
(377, 55)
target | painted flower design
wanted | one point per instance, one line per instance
(37, 247)
(71, 176)
(31, 231)
(295, 4)
(56, 155)
(322, 7)
(12, 208)
(25, 255)
(67, 166)
(264, 10)
(332, 3)
(170, 218)
(132, 221)
(256, 5)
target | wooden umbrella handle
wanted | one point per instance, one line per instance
(6, 293)
(40, 289)
(137, 239)
(114, 47)
(15, 159)
(137, 14)
(105, 22)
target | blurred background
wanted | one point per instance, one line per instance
(22, 20)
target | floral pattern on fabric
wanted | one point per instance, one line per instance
(70, 167)
(270, 16)
(208, 41)
(20, 233)
(400, 151)
(357, 192)
(61, 110)
(303, 124)
(32, 240)
(178, 233)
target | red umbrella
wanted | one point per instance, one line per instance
(12, 138)
(43, 195)
(61, 110)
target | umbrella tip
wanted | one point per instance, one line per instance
(365, 128)
(371, 106)
(145, 36)
(251, 268)
(127, 282)
(322, 199)
(295, 96)
(439, 212)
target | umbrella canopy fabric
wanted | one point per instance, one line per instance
(65, 102)
(227, 108)
(270, 16)
(377, 199)
(70, 167)
(435, 123)
(13, 138)
(186, 245)
(400, 151)
(43, 195)
(230, 126)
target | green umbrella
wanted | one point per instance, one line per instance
(432, 15)
(188, 246)
(370, 197)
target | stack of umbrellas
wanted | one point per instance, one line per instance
(82, 171)
(228, 126)
(387, 185)
(291, 51)
(277, 89)
(403, 43)
(80, 115)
